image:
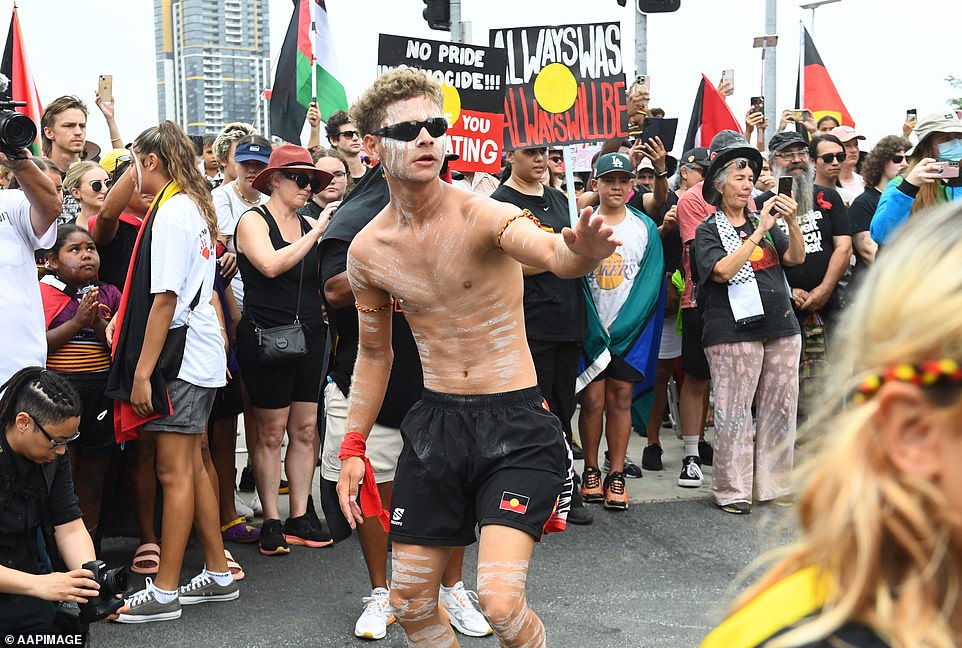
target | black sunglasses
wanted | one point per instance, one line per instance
(302, 180)
(556, 158)
(828, 157)
(409, 130)
(97, 185)
(579, 185)
(740, 163)
(348, 133)
(899, 158)
(53, 442)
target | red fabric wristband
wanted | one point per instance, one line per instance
(354, 445)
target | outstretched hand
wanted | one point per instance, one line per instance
(348, 486)
(590, 237)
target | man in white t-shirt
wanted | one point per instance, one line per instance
(27, 223)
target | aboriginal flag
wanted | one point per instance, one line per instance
(709, 116)
(15, 67)
(818, 91)
(513, 502)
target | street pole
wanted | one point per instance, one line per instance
(457, 35)
(771, 103)
(641, 42)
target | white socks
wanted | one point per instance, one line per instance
(691, 445)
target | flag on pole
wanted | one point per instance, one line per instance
(709, 116)
(815, 89)
(307, 42)
(16, 68)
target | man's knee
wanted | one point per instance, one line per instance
(412, 604)
(503, 610)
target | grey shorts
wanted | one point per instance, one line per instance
(191, 408)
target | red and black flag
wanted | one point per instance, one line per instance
(709, 116)
(815, 89)
(514, 502)
(15, 67)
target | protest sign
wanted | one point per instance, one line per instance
(563, 84)
(472, 80)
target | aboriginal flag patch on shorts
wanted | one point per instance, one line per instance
(513, 502)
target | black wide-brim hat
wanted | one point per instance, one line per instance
(750, 153)
(293, 158)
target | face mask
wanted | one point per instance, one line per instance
(950, 151)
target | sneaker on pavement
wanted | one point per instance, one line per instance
(706, 453)
(578, 513)
(631, 468)
(591, 489)
(376, 617)
(737, 508)
(651, 457)
(145, 608)
(577, 454)
(204, 589)
(241, 507)
(301, 531)
(256, 504)
(272, 542)
(246, 483)
(616, 495)
(461, 607)
(691, 475)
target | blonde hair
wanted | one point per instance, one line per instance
(170, 144)
(231, 133)
(399, 84)
(75, 172)
(882, 538)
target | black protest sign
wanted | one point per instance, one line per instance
(563, 84)
(476, 72)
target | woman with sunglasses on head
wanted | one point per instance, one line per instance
(88, 183)
(277, 255)
(751, 334)
(878, 559)
(169, 360)
(925, 183)
(883, 164)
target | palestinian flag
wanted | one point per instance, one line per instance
(307, 47)
(16, 68)
(709, 116)
(818, 91)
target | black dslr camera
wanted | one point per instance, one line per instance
(112, 582)
(17, 131)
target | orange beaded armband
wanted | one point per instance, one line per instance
(365, 309)
(524, 214)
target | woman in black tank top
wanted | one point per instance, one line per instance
(277, 256)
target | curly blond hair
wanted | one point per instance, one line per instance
(399, 84)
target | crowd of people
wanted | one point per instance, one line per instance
(162, 290)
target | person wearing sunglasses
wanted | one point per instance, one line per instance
(88, 183)
(828, 155)
(39, 417)
(750, 334)
(345, 137)
(277, 256)
(556, 168)
(924, 184)
(883, 164)
(479, 448)
(823, 217)
(848, 177)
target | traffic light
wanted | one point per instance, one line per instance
(658, 6)
(438, 14)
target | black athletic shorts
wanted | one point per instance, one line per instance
(694, 362)
(97, 418)
(618, 369)
(475, 460)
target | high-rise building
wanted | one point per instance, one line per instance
(213, 62)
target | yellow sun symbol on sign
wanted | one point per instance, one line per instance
(451, 108)
(555, 88)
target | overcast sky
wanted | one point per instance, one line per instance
(884, 57)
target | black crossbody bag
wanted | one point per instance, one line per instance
(172, 355)
(280, 344)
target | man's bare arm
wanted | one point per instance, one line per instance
(45, 202)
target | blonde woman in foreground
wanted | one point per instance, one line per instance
(878, 563)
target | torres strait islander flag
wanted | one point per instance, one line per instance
(307, 48)
(709, 116)
(818, 92)
(15, 67)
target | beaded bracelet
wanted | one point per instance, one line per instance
(524, 214)
(365, 309)
(925, 374)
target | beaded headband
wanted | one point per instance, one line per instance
(926, 374)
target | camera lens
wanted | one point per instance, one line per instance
(17, 131)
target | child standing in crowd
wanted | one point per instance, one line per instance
(77, 309)
(168, 376)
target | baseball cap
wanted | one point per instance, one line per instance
(113, 159)
(252, 151)
(845, 133)
(786, 139)
(612, 163)
(698, 155)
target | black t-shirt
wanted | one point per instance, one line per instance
(406, 382)
(554, 308)
(718, 321)
(671, 242)
(860, 214)
(829, 218)
(115, 256)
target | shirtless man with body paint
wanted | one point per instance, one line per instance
(479, 448)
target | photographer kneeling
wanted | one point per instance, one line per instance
(39, 416)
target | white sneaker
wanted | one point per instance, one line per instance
(256, 505)
(243, 510)
(376, 617)
(462, 609)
